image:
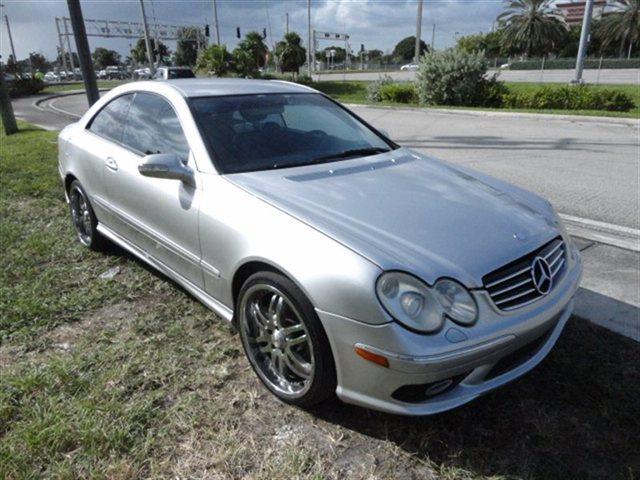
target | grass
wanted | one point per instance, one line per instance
(356, 92)
(53, 88)
(132, 378)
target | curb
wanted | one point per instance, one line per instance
(491, 113)
(37, 103)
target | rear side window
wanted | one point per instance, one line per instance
(153, 127)
(109, 122)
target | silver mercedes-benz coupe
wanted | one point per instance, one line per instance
(349, 265)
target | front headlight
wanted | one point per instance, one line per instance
(418, 307)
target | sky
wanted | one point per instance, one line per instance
(378, 24)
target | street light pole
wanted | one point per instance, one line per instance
(84, 54)
(309, 54)
(215, 20)
(433, 38)
(416, 56)
(71, 60)
(584, 41)
(146, 39)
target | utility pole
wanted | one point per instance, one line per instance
(71, 60)
(433, 38)
(584, 41)
(13, 50)
(215, 20)
(286, 28)
(63, 57)
(309, 54)
(84, 54)
(147, 42)
(6, 109)
(416, 56)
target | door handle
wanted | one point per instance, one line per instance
(111, 164)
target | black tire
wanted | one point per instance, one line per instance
(86, 229)
(322, 387)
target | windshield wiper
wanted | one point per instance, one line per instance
(354, 152)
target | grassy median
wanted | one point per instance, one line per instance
(130, 377)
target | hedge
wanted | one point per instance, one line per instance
(568, 63)
(25, 86)
(581, 97)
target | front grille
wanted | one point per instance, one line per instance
(512, 286)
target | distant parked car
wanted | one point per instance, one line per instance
(51, 77)
(142, 73)
(505, 66)
(169, 73)
(410, 67)
(102, 74)
(115, 73)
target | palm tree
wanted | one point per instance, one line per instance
(531, 26)
(621, 24)
(291, 53)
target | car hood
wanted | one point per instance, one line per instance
(404, 211)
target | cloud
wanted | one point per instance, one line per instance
(376, 23)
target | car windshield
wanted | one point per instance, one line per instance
(180, 73)
(263, 132)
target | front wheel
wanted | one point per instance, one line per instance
(284, 340)
(83, 218)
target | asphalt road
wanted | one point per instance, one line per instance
(610, 76)
(586, 169)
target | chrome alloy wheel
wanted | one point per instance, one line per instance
(277, 341)
(81, 215)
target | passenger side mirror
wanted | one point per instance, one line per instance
(166, 165)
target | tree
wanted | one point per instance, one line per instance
(139, 52)
(490, 43)
(254, 45)
(103, 57)
(339, 57)
(244, 63)
(38, 61)
(406, 48)
(214, 60)
(375, 55)
(622, 25)
(187, 45)
(291, 53)
(532, 26)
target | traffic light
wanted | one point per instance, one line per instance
(238, 32)
(264, 33)
(362, 47)
(206, 31)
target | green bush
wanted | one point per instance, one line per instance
(25, 86)
(455, 77)
(580, 97)
(398, 93)
(374, 88)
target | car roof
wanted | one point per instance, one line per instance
(208, 87)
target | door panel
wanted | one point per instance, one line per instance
(160, 216)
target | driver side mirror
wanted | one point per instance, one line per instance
(166, 165)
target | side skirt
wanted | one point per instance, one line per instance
(208, 301)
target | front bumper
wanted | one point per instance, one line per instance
(474, 360)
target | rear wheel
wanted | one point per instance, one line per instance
(83, 218)
(284, 340)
